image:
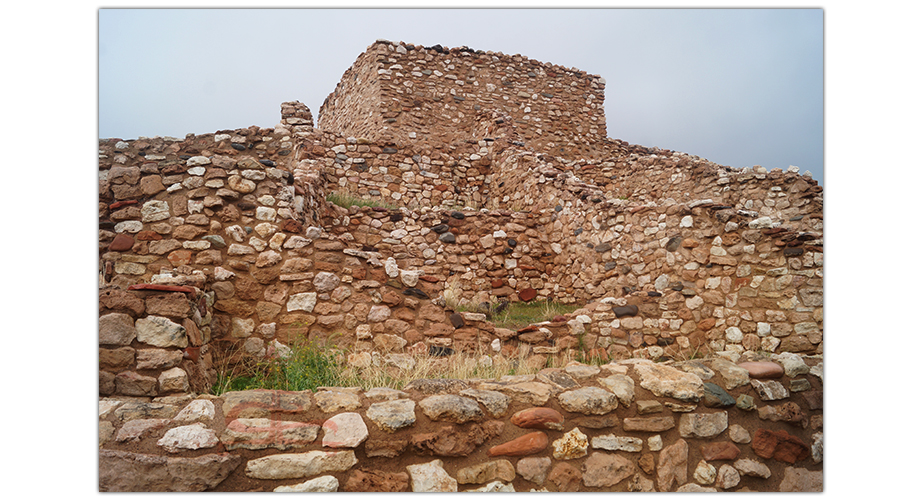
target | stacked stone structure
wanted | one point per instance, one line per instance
(497, 183)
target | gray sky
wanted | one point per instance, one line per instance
(740, 87)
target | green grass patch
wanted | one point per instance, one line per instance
(521, 314)
(347, 200)
(307, 367)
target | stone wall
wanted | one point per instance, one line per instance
(701, 425)
(500, 186)
(242, 216)
(155, 340)
(397, 92)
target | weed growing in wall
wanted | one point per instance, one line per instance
(307, 366)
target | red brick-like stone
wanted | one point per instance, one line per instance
(528, 444)
(529, 328)
(779, 445)
(527, 294)
(722, 450)
(707, 324)
(763, 369)
(179, 257)
(121, 243)
(566, 477)
(123, 203)
(538, 418)
(120, 300)
(292, 226)
(148, 235)
(174, 305)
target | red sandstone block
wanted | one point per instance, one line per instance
(528, 444)
(779, 445)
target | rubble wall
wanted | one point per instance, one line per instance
(496, 184)
(701, 425)
(251, 228)
(396, 92)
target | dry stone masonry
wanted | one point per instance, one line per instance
(493, 181)
(633, 425)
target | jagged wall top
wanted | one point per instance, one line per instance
(398, 92)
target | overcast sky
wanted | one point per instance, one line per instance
(740, 87)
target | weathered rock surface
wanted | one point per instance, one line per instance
(320, 484)
(573, 444)
(298, 465)
(588, 400)
(672, 468)
(452, 408)
(344, 430)
(392, 415)
(262, 433)
(125, 471)
(364, 479)
(494, 470)
(431, 477)
(451, 441)
(664, 381)
(534, 469)
(606, 469)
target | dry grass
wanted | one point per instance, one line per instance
(310, 367)
(382, 372)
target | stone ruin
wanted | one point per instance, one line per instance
(494, 181)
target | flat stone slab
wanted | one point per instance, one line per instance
(263, 433)
(298, 465)
(620, 385)
(702, 425)
(318, 485)
(334, 401)
(502, 470)
(260, 403)
(665, 381)
(606, 469)
(770, 390)
(392, 415)
(733, 375)
(451, 408)
(344, 430)
(436, 386)
(496, 403)
(611, 442)
(126, 471)
(648, 424)
(763, 369)
(188, 437)
(588, 400)
(533, 393)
